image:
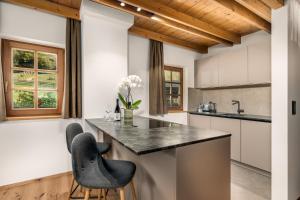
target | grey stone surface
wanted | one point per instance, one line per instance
(145, 135)
(258, 118)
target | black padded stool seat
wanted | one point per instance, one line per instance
(92, 171)
(103, 147)
(74, 129)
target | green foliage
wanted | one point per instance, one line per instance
(122, 99)
(48, 100)
(136, 104)
(23, 99)
(47, 80)
(46, 61)
(133, 106)
(23, 59)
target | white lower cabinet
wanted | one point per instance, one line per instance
(250, 140)
(232, 126)
(199, 121)
(256, 144)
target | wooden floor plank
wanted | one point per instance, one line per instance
(48, 188)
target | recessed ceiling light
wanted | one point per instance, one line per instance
(122, 4)
(138, 9)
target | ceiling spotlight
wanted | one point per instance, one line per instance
(155, 18)
(138, 9)
(122, 4)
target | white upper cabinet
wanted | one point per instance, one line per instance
(206, 72)
(259, 63)
(233, 67)
(250, 64)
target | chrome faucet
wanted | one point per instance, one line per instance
(239, 110)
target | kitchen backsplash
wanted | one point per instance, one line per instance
(255, 101)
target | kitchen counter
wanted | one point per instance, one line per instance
(147, 135)
(258, 118)
(174, 161)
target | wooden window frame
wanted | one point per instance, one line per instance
(6, 54)
(180, 70)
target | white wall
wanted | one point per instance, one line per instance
(37, 148)
(31, 25)
(173, 56)
(285, 126)
(105, 40)
(280, 104)
(293, 120)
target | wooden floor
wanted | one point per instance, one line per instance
(245, 184)
(49, 188)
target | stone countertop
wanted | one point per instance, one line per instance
(147, 135)
(258, 118)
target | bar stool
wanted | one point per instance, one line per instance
(72, 130)
(92, 171)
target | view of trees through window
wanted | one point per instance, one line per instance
(173, 87)
(34, 78)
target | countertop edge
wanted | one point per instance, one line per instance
(232, 117)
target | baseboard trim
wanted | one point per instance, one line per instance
(14, 185)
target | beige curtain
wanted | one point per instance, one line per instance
(73, 75)
(157, 101)
(2, 96)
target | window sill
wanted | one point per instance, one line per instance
(33, 117)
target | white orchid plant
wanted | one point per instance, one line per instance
(125, 91)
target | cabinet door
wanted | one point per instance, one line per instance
(256, 144)
(206, 72)
(233, 67)
(199, 121)
(259, 63)
(233, 126)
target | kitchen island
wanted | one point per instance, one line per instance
(174, 161)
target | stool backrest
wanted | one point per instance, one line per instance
(84, 153)
(72, 130)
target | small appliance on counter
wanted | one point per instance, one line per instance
(208, 107)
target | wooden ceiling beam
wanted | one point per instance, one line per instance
(167, 39)
(187, 20)
(246, 14)
(258, 7)
(274, 3)
(48, 6)
(190, 30)
(163, 21)
(129, 9)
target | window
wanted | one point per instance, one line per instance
(174, 88)
(33, 77)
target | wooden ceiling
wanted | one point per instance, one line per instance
(65, 8)
(194, 24)
(69, 3)
(197, 24)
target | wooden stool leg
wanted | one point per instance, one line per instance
(105, 194)
(122, 194)
(87, 195)
(100, 194)
(133, 190)
(71, 189)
